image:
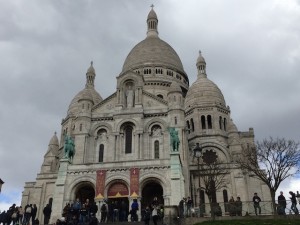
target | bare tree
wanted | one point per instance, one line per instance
(213, 173)
(272, 161)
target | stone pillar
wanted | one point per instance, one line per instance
(177, 179)
(59, 190)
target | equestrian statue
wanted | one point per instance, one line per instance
(69, 148)
(174, 139)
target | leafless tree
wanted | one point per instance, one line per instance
(213, 173)
(272, 161)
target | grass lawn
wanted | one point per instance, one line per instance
(253, 222)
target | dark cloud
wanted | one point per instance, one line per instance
(251, 49)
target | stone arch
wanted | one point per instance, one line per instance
(99, 125)
(218, 147)
(120, 124)
(161, 179)
(148, 126)
(75, 184)
(111, 178)
(152, 187)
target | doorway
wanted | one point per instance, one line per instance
(150, 190)
(85, 191)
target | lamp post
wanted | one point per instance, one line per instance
(198, 153)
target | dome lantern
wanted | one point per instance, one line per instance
(90, 76)
(201, 65)
(152, 22)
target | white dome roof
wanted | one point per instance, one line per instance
(204, 92)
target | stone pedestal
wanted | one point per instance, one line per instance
(177, 178)
(171, 215)
(59, 190)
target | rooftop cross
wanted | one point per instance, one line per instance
(152, 6)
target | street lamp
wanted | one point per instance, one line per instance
(198, 153)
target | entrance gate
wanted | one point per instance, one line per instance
(150, 190)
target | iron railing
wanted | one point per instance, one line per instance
(233, 209)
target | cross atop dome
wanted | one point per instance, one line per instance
(152, 6)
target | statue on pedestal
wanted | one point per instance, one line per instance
(174, 139)
(69, 148)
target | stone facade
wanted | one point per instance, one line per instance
(130, 129)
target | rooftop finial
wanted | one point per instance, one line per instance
(152, 6)
(199, 52)
(91, 63)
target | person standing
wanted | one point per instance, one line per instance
(103, 210)
(134, 209)
(238, 206)
(33, 213)
(47, 213)
(294, 202)
(256, 201)
(231, 206)
(147, 216)
(189, 205)
(281, 204)
(154, 215)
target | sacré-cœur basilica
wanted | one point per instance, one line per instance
(123, 144)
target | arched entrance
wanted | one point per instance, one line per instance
(118, 202)
(150, 190)
(84, 191)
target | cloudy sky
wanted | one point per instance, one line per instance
(252, 50)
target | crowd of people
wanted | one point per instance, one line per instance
(19, 216)
(83, 213)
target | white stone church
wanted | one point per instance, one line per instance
(122, 143)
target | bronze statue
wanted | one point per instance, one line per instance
(69, 148)
(174, 139)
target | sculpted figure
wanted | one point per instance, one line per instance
(69, 148)
(129, 97)
(174, 139)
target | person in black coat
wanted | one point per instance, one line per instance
(281, 204)
(47, 213)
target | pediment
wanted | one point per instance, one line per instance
(151, 101)
(106, 106)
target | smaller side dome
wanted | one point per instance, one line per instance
(203, 91)
(88, 93)
(54, 140)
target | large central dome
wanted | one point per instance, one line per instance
(152, 51)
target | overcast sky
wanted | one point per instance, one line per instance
(251, 47)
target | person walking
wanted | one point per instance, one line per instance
(281, 204)
(294, 203)
(256, 201)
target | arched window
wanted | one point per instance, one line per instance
(156, 149)
(220, 122)
(224, 125)
(209, 123)
(80, 127)
(175, 120)
(203, 125)
(128, 139)
(160, 96)
(225, 199)
(192, 124)
(101, 152)
(188, 126)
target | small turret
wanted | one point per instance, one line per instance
(201, 65)
(152, 22)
